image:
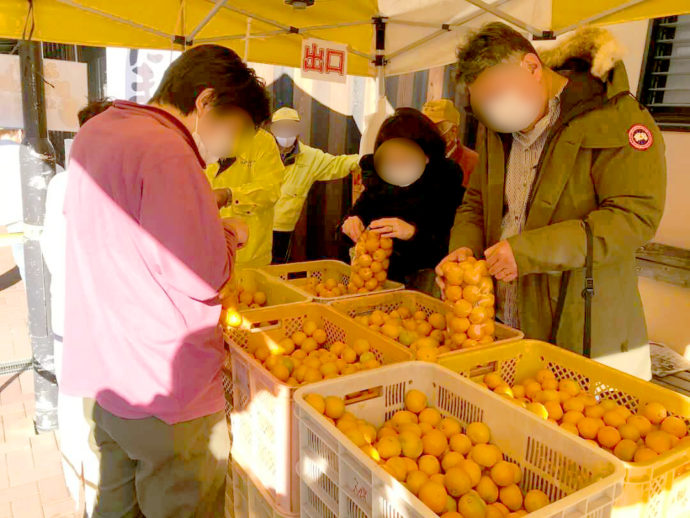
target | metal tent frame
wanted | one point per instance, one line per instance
(380, 58)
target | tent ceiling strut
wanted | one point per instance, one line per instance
(454, 24)
(217, 7)
(254, 35)
(118, 19)
(283, 29)
(380, 56)
(490, 8)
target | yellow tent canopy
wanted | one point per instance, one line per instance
(419, 33)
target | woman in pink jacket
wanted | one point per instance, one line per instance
(146, 254)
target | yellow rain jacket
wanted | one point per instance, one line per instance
(310, 165)
(255, 180)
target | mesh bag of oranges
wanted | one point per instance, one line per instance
(470, 289)
(370, 263)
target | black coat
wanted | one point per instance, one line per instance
(429, 204)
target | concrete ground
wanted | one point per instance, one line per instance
(31, 479)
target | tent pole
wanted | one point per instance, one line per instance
(246, 40)
(453, 24)
(229, 37)
(380, 55)
(118, 19)
(37, 163)
(597, 16)
(489, 8)
(334, 26)
(416, 44)
(219, 4)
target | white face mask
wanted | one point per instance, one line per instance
(213, 148)
(510, 112)
(402, 176)
(285, 142)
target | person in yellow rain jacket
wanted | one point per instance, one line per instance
(304, 165)
(249, 190)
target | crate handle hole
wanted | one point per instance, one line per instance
(483, 369)
(258, 327)
(297, 275)
(363, 395)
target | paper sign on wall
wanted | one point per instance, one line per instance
(324, 60)
(66, 91)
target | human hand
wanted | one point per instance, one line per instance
(501, 261)
(223, 196)
(239, 228)
(353, 228)
(393, 227)
(457, 256)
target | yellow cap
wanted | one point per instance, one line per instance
(441, 110)
(285, 114)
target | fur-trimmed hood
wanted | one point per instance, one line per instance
(590, 47)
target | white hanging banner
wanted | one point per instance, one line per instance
(66, 91)
(324, 60)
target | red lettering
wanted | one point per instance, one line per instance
(313, 58)
(335, 61)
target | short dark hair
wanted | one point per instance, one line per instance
(413, 125)
(490, 45)
(92, 109)
(234, 84)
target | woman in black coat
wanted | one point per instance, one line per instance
(411, 194)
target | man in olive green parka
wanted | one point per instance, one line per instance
(593, 154)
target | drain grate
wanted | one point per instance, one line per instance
(15, 366)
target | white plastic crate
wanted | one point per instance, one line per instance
(226, 378)
(249, 499)
(338, 479)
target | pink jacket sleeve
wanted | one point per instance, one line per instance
(190, 252)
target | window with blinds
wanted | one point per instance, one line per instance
(665, 88)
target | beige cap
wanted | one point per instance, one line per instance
(285, 114)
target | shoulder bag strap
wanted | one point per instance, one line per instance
(565, 280)
(588, 292)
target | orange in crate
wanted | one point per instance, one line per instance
(642, 424)
(249, 290)
(314, 278)
(496, 454)
(264, 434)
(424, 324)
